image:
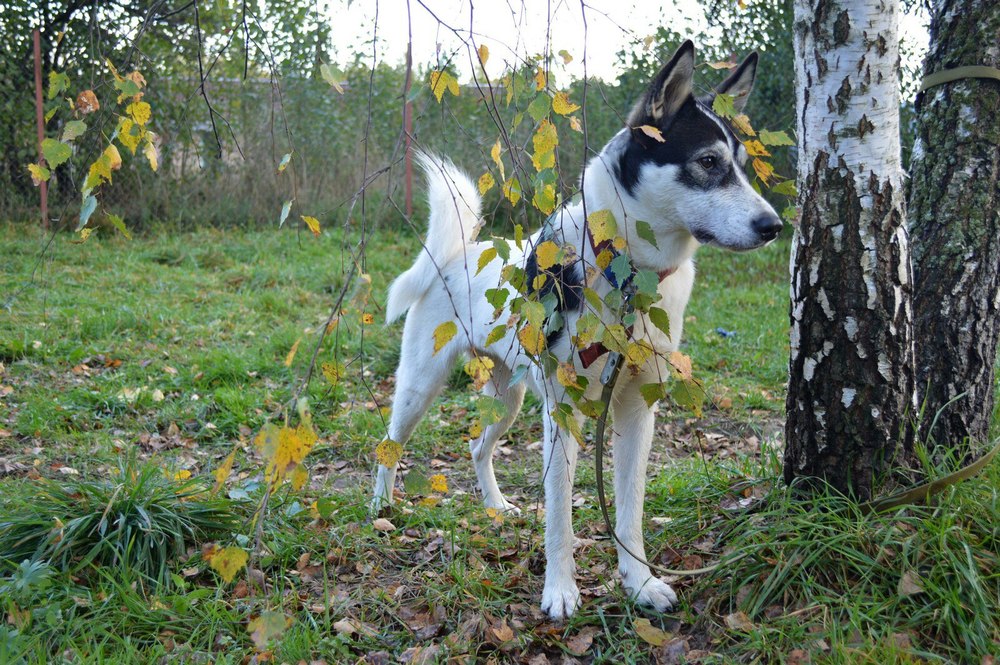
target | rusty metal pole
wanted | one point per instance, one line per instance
(39, 117)
(408, 130)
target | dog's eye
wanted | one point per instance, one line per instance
(707, 162)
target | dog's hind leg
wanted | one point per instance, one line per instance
(631, 441)
(483, 446)
(420, 377)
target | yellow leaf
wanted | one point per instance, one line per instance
(332, 371)
(562, 105)
(488, 255)
(227, 562)
(486, 182)
(495, 154)
(480, 368)
(574, 124)
(637, 353)
(39, 174)
(763, 169)
(129, 134)
(512, 190)
(484, 54)
(546, 254)
(540, 79)
(742, 123)
(179, 476)
(495, 515)
(566, 57)
(721, 65)
(149, 150)
(439, 483)
(85, 233)
(604, 259)
(300, 476)
(652, 132)
(270, 625)
(546, 138)
(114, 157)
(388, 452)
(312, 223)
(367, 318)
(602, 226)
(476, 429)
(222, 473)
(532, 339)
(650, 633)
(543, 160)
(291, 354)
(566, 375)
(443, 334)
(441, 81)
(545, 199)
(756, 149)
(140, 112)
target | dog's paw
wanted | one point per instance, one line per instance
(559, 601)
(654, 593)
(502, 506)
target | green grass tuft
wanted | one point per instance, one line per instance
(139, 521)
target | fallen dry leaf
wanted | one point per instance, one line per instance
(382, 524)
(580, 643)
(650, 633)
(739, 621)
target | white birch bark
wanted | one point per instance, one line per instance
(851, 385)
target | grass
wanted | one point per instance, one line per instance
(170, 350)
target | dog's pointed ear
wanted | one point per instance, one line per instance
(740, 82)
(668, 90)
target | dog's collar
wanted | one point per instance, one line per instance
(607, 246)
(591, 353)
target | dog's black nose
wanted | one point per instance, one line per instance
(767, 226)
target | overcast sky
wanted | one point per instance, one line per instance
(513, 29)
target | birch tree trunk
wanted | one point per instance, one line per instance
(955, 225)
(851, 385)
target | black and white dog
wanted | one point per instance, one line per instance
(690, 189)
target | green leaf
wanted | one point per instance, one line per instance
(621, 267)
(491, 410)
(73, 129)
(119, 224)
(653, 392)
(283, 164)
(539, 106)
(55, 152)
(789, 213)
(285, 209)
(497, 297)
(645, 231)
(58, 81)
(659, 318)
(333, 77)
(416, 483)
(497, 334)
(768, 137)
(786, 187)
(502, 248)
(519, 235)
(689, 394)
(86, 210)
(723, 106)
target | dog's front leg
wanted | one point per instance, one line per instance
(561, 596)
(632, 438)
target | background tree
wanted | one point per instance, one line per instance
(851, 386)
(954, 210)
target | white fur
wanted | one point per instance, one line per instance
(443, 286)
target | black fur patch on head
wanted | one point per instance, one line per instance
(688, 131)
(566, 281)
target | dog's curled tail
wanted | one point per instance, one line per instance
(455, 205)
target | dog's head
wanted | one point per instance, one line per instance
(693, 182)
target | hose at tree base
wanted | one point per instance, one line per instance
(915, 495)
